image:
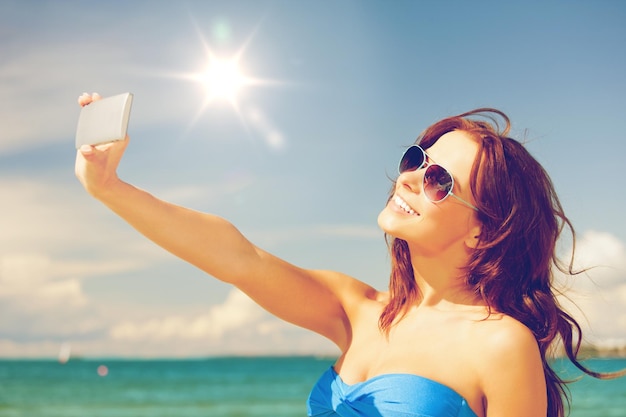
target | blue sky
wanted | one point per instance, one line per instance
(300, 164)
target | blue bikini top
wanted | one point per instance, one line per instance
(389, 395)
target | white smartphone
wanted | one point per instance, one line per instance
(104, 120)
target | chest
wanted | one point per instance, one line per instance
(387, 395)
(440, 347)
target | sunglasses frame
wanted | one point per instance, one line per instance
(427, 164)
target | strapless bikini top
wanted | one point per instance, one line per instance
(389, 395)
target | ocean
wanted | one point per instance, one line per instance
(220, 387)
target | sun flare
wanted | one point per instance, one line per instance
(222, 79)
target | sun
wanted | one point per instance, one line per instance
(222, 79)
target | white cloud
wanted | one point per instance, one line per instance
(605, 253)
(44, 217)
(236, 312)
(35, 280)
(599, 296)
(42, 225)
(53, 238)
(237, 326)
(26, 279)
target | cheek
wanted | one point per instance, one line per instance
(439, 230)
(450, 232)
(456, 224)
(435, 230)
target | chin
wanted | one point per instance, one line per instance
(388, 223)
(382, 220)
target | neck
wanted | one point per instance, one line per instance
(441, 279)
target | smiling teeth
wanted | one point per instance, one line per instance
(401, 203)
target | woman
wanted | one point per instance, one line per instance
(470, 313)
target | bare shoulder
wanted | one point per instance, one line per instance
(510, 368)
(505, 341)
(506, 336)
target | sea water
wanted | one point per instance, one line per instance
(221, 387)
(592, 397)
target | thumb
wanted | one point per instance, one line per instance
(92, 152)
(87, 150)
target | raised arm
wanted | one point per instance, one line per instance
(315, 300)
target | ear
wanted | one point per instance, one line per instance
(473, 235)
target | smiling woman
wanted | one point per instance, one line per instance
(468, 321)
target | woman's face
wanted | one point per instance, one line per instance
(434, 228)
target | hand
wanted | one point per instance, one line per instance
(96, 166)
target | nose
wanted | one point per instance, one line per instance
(412, 180)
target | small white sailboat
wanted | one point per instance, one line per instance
(65, 352)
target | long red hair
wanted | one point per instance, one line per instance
(512, 267)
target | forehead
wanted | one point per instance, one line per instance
(455, 151)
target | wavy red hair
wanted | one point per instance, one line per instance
(512, 267)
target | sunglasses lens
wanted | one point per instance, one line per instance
(437, 183)
(412, 159)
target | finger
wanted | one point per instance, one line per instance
(104, 147)
(84, 99)
(95, 153)
(87, 151)
(87, 98)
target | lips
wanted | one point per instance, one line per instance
(404, 205)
